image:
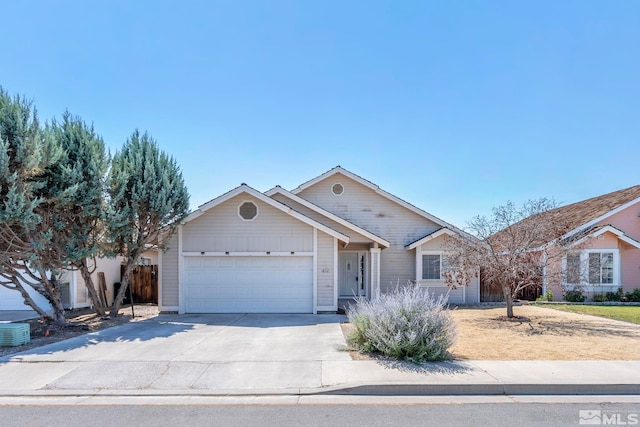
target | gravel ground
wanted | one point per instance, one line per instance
(81, 321)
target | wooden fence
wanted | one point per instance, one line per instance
(144, 283)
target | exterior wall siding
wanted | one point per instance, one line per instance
(377, 214)
(325, 271)
(469, 294)
(221, 229)
(353, 236)
(170, 274)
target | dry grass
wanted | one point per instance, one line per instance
(549, 335)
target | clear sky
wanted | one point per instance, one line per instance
(454, 106)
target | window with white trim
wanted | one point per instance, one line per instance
(592, 267)
(600, 268)
(431, 267)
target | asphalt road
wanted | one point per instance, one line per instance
(348, 412)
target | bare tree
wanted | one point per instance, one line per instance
(516, 248)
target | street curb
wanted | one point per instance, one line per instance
(359, 390)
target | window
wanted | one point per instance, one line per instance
(337, 189)
(573, 268)
(592, 267)
(600, 268)
(431, 267)
(248, 211)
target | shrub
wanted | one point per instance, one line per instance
(633, 296)
(574, 295)
(614, 296)
(599, 298)
(547, 296)
(407, 323)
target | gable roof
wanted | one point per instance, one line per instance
(279, 190)
(378, 190)
(597, 230)
(589, 212)
(245, 189)
(434, 234)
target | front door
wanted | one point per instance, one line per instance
(351, 274)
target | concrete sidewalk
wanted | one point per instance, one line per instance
(276, 355)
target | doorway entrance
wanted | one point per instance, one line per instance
(352, 272)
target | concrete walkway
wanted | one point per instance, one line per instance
(276, 355)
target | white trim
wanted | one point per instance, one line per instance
(254, 204)
(377, 189)
(244, 188)
(419, 278)
(181, 306)
(337, 194)
(335, 272)
(331, 216)
(375, 279)
(613, 230)
(264, 254)
(429, 237)
(584, 275)
(160, 278)
(315, 271)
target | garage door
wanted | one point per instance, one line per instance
(248, 284)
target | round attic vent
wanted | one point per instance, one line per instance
(248, 211)
(337, 189)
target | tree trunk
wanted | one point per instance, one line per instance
(509, 300)
(52, 288)
(93, 294)
(124, 285)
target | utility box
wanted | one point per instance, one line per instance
(13, 334)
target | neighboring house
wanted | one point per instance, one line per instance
(604, 253)
(74, 291)
(308, 250)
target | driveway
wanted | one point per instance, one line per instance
(219, 352)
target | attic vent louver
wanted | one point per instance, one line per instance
(248, 211)
(337, 189)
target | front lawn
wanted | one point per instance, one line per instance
(627, 313)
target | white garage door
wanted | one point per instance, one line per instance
(248, 284)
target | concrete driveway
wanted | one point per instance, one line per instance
(219, 352)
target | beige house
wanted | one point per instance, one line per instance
(307, 250)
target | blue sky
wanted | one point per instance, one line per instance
(454, 106)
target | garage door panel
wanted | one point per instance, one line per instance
(248, 284)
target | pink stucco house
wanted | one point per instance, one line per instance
(604, 253)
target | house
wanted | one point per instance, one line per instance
(74, 291)
(602, 248)
(308, 250)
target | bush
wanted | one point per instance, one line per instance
(574, 295)
(407, 323)
(633, 296)
(599, 298)
(614, 296)
(548, 296)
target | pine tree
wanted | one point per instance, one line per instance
(148, 197)
(26, 229)
(81, 172)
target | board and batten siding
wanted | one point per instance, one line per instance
(221, 229)
(325, 272)
(379, 215)
(170, 274)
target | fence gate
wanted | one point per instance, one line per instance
(144, 283)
